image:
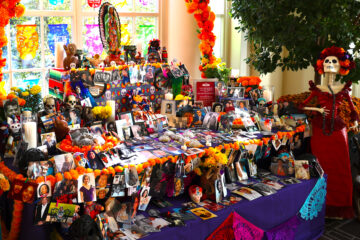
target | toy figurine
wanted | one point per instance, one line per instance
(70, 50)
(329, 142)
(164, 55)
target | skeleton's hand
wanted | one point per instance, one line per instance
(323, 111)
(355, 127)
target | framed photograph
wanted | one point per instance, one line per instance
(236, 92)
(77, 133)
(44, 189)
(199, 115)
(203, 213)
(41, 211)
(115, 76)
(198, 104)
(11, 107)
(118, 187)
(211, 120)
(64, 162)
(102, 76)
(49, 140)
(255, 94)
(131, 177)
(86, 78)
(168, 107)
(149, 76)
(217, 107)
(128, 117)
(144, 198)
(97, 130)
(86, 188)
(242, 105)
(136, 130)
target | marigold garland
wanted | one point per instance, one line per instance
(8, 10)
(205, 21)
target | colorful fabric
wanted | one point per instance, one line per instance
(285, 231)
(244, 230)
(225, 231)
(315, 201)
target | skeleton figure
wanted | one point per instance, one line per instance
(15, 131)
(152, 90)
(108, 95)
(72, 65)
(113, 64)
(331, 64)
(49, 104)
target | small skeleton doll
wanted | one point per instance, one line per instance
(72, 112)
(49, 105)
(14, 138)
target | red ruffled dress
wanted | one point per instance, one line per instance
(332, 150)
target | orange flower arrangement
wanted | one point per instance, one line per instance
(205, 21)
(8, 10)
(250, 83)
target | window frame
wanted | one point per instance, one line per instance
(77, 15)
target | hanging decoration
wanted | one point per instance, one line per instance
(58, 33)
(245, 230)
(315, 201)
(94, 3)
(144, 2)
(27, 40)
(120, 3)
(93, 41)
(110, 26)
(56, 2)
(8, 9)
(125, 35)
(205, 20)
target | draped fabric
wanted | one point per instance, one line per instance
(285, 231)
(225, 231)
(245, 230)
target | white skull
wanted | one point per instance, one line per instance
(15, 127)
(108, 95)
(72, 65)
(123, 92)
(152, 90)
(102, 65)
(71, 101)
(113, 64)
(331, 64)
(49, 105)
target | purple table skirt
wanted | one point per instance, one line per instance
(265, 212)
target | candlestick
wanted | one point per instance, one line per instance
(111, 103)
(59, 55)
(30, 134)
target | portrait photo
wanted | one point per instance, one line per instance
(118, 186)
(144, 198)
(179, 186)
(247, 193)
(203, 213)
(217, 107)
(111, 127)
(199, 115)
(86, 188)
(198, 104)
(49, 140)
(11, 108)
(128, 117)
(41, 210)
(168, 107)
(136, 130)
(211, 120)
(97, 130)
(44, 189)
(149, 76)
(64, 162)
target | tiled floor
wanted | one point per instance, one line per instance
(341, 230)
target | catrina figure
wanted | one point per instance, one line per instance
(329, 142)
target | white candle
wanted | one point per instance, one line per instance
(59, 55)
(30, 134)
(268, 95)
(111, 103)
(169, 96)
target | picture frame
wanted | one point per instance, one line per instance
(198, 104)
(236, 92)
(128, 116)
(168, 107)
(217, 107)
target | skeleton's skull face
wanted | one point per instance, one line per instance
(331, 64)
(15, 127)
(123, 92)
(71, 101)
(49, 105)
(152, 90)
(72, 65)
(102, 65)
(108, 95)
(113, 64)
(261, 104)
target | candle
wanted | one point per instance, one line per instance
(30, 134)
(169, 96)
(111, 103)
(268, 94)
(59, 55)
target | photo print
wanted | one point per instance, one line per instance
(168, 107)
(202, 213)
(118, 186)
(11, 109)
(44, 189)
(64, 162)
(23, 191)
(61, 212)
(211, 120)
(128, 117)
(41, 210)
(144, 198)
(102, 76)
(86, 188)
(131, 176)
(49, 140)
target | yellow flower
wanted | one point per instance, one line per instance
(25, 94)
(179, 97)
(15, 89)
(35, 90)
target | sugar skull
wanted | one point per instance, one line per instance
(152, 90)
(71, 102)
(49, 104)
(123, 92)
(72, 65)
(195, 193)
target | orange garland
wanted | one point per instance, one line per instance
(8, 10)
(205, 20)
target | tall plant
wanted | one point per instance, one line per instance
(303, 28)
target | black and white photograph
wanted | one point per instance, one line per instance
(131, 176)
(115, 76)
(102, 76)
(211, 120)
(11, 108)
(49, 140)
(118, 187)
(168, 107)
(144, 198)
(75, 134)
(217, 107)
(218, 190)
(263, 189)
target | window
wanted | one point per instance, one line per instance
(219, 8)
(38, 31)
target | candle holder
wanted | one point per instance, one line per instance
(29, 128)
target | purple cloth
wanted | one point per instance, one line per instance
(265, 212)
(285, 231)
